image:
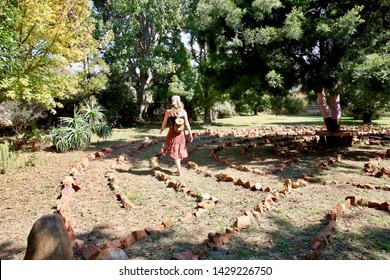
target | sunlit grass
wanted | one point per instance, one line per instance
(140, 131)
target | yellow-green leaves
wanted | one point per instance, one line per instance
(50, 34)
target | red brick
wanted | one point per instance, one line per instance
(242, 222)
(239, 182)
(127, 241)
(225, 237)
(267, 205)
(374, 204)
(113, 244)
(352, 198)
(127, 204)
(361, 202)
(250, 214)
(247, 185)
(90, 252)
(260, 208)
(231, 231)
(317, 242)
(156, 229)
(348, 203)
(302, 182)
(385, 206)
(139, 234)
(217, 241)
(206, 204)
(229, 179)
(167, 223)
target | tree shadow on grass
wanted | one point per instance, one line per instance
(372, 243)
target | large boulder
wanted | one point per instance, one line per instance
(49, 240)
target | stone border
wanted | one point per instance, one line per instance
(68, 188)
(323, 239)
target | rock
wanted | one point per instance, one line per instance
(156, 229)
(385, 206)
(206, 204)
(112, 254)
(185, 256)
(205, 196)
(192, 165)
(167, 223)
(249, 214)
(139, 234)
(247, 185)
(128, 241)
(90, 252)
(257, 187)
(49, 240)
(374, 204)
(113, 244)
(242, 222)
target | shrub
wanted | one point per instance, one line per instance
(294, 105)
(74, 133)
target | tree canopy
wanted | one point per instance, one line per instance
(42, 40)
(250, 52)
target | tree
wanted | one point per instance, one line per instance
(340, 40)
(49, 36)
(244, 49)
(269, 47)
(146, 37)
(9, 46)
(366, 66)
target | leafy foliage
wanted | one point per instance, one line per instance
(74, 133)
(145, 47)
(43, 38)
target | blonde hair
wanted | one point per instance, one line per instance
(177, 105)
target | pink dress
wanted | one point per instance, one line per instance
(175, 142)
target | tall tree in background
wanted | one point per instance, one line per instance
(245, 47)
(146, 36)
(50, 36)
(269, 47)
(366, 65)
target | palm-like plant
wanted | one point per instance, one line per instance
(94, 115)
(75, 133)
(92, 112)
(72, 134)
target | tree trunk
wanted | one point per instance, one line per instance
(207, 114)
(367, 117)
(145, 81)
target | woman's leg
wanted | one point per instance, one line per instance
(178, 166)
(324, 108)
(336, 111)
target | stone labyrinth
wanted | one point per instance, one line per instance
(265, 193)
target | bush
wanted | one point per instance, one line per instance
(224, 110)
(74, 133)
(294, 105)
(290, 105)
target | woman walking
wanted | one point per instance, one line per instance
(175, 141)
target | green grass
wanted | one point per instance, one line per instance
(140, 131)
(268, 119)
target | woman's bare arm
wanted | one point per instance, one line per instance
(164, 123)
